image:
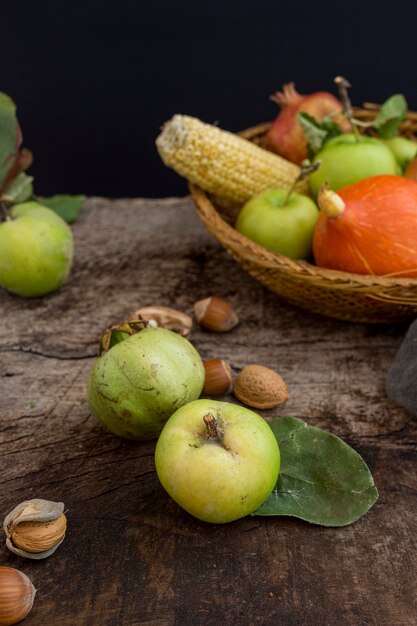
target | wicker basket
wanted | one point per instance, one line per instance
(341, 295)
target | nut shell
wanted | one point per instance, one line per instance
(35, 528)
(218, 378)
(166, 317)
(16, 595)
(260, 387)
(215, 314)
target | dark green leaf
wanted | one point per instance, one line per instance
(19, 190)
(68, 207)
(391, 114)
(317, 133)
(314, 135)
(10, 136)
(322, 479)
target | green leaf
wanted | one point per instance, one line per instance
(390, 115)
(19, 190)
(322, 479)
(314, 135)
(317, 133)
(68, 207)
(10, 136)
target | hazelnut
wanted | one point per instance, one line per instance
(260, 387)
(16, 595)
(218, 377)
(35, 528)
(165, 317)
(215, 314)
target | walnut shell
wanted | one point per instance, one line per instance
(260, 387)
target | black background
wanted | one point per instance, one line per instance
(94, 81)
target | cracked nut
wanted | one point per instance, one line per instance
(215, 314)
(218, 377)
(35, 528)
(260, 387)
(165, 317)
(16, 595)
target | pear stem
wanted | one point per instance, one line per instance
(4, 214)
(211, 426)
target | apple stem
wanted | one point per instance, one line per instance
(343, 84)
(211, 425)
(4, 214)
(307, 168)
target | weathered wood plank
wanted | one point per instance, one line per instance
(131, 555)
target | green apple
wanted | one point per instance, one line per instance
(36, 249)
(403, 149)
(136, 386)
(346, 159)
(217, 460)
(280, 222)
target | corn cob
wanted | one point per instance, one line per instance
(221, 162)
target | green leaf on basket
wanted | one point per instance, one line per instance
(68, 207)
(19, 190)
(390, 115)
(317, 133)
(10, 134)
(322, 479)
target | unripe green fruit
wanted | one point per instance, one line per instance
(140, 382)
(36, 248)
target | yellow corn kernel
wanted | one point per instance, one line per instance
(222, 162)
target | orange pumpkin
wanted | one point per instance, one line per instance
(369, 227)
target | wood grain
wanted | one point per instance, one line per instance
(131, 556)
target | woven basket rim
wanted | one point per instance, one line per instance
(267, 259)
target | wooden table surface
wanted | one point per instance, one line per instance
(131, 555)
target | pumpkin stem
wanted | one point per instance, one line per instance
(329, 201)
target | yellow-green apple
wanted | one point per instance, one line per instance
(346, 159)
(403, 149)
(217, 460)
(36, 250)
(279, 221)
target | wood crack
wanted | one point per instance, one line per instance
(59, 357)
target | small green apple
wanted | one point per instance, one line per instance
(281, 222)
(403, 149)
(136, 386)
(217, 460)
(346, 159)
(36, 249)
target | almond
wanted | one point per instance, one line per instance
(260, 387)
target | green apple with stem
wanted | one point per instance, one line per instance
(281, 220)
(36, 249)
(351, 157)
(217, 460)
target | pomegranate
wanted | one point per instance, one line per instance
(285, 136)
